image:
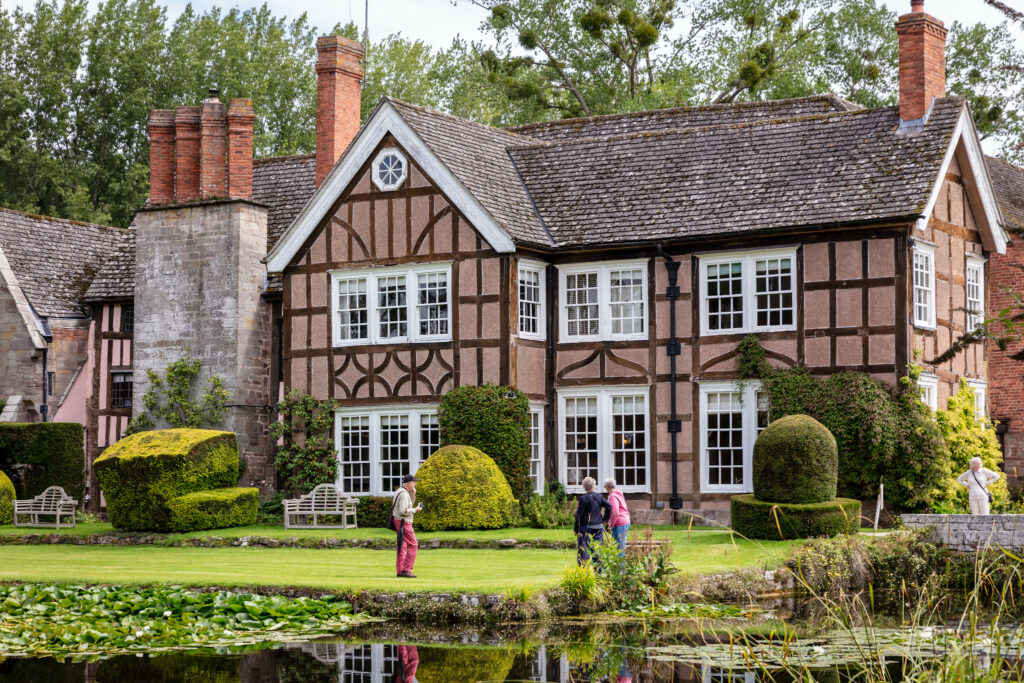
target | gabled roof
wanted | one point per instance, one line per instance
(1008, 182)
(824, 169)
(284, 184)
(116, 279)
(55, 260)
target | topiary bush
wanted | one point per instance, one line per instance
(214, 509)
(496, 420)
(53, 451)
(755, 518)
(7, 497)
(141, 473)
(461, 488)
(795, 461)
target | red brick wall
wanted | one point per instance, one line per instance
(1006, 376)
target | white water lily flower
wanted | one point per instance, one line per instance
(167, 613)
(139, 634)
(818, 650)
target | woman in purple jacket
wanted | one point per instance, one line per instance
(618, 521)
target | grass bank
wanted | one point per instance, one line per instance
(442, 570)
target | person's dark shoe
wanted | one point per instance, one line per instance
(407, 575)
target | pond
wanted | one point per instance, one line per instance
(613, 651)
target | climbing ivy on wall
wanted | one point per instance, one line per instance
(884, 433)
(305, 453)
(172, 398)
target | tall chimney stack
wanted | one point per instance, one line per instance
(339, 74)
(922, 42)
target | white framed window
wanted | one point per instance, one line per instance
(392, 305)
(732, 414)
(603, 301)
(537, 447)
(377, 446)
(604, 432)
(975, 291)
(980, 388)
(928, 385)
(531, 300)
(924, 286)
(390, 169)
(748, 291)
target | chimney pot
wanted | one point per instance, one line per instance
(917, 5)
(214, 95)
(339, 74)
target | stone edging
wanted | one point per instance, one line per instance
(268, 542)
(971, 532)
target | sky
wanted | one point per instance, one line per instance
(437, 22)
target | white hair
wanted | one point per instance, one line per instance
(609, 483)
(588, 484)
(975, 460)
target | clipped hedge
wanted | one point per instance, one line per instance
(7, 496)
(461, 488)
(141, 473)
(215, 509)
(53, 451)
(795, 461)
(495, 420)
(373, 511)
(757, 519)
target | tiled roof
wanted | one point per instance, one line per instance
(478, 156)
(1008, 184)
(55, 260)
(284, 184)
(683, 117)
(831, 168)
(116, 279)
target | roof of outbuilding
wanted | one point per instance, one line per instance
(55, 260)
(116, 279)
(831, 168)
(1008, 183)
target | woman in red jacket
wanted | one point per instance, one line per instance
(618, 521)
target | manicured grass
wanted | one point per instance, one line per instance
(352, 568)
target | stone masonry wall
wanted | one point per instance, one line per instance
(198, 286)
(969, 532)
(21, 365)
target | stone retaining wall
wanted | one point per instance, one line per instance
(971, 532)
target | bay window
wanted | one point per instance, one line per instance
(389, 305)
(748, 292)
(604, 432)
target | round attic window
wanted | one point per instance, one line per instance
(390, 169)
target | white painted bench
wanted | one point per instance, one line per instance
(53, 502)
(324, 500)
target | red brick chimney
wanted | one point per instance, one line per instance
(922, 61)
(202, 152)
(339, 74)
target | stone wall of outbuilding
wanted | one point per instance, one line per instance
(970, 532)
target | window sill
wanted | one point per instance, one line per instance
(928, 327)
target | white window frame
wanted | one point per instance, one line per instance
(537, 412)
(374, 413)
(748, 400)
(375, 169)
(605, 462)
(603, 270)
(929, 385)
(974, 320)
(372, 276)
(537, 267)
(927, 322)
(749, 261)
(980, 388)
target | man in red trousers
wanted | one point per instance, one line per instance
(403, 510)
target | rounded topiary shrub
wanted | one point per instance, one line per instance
(214, 509)
(761, 519)
(6, 499)
(141, 473)
(795, 461)
(461, 488)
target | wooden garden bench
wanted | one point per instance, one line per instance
(324, 500)
(53, 502)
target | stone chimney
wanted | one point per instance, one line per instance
(922, 62)
(339, 74)
(203, 152)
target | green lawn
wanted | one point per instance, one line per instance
(355, 568)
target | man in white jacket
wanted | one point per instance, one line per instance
(977, 480)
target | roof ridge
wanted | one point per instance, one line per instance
(1004, 162)
(282, 157)
(753, 104)
(700, 129)
(72, 221)
(457, 119)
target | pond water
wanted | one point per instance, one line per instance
(627, 652)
